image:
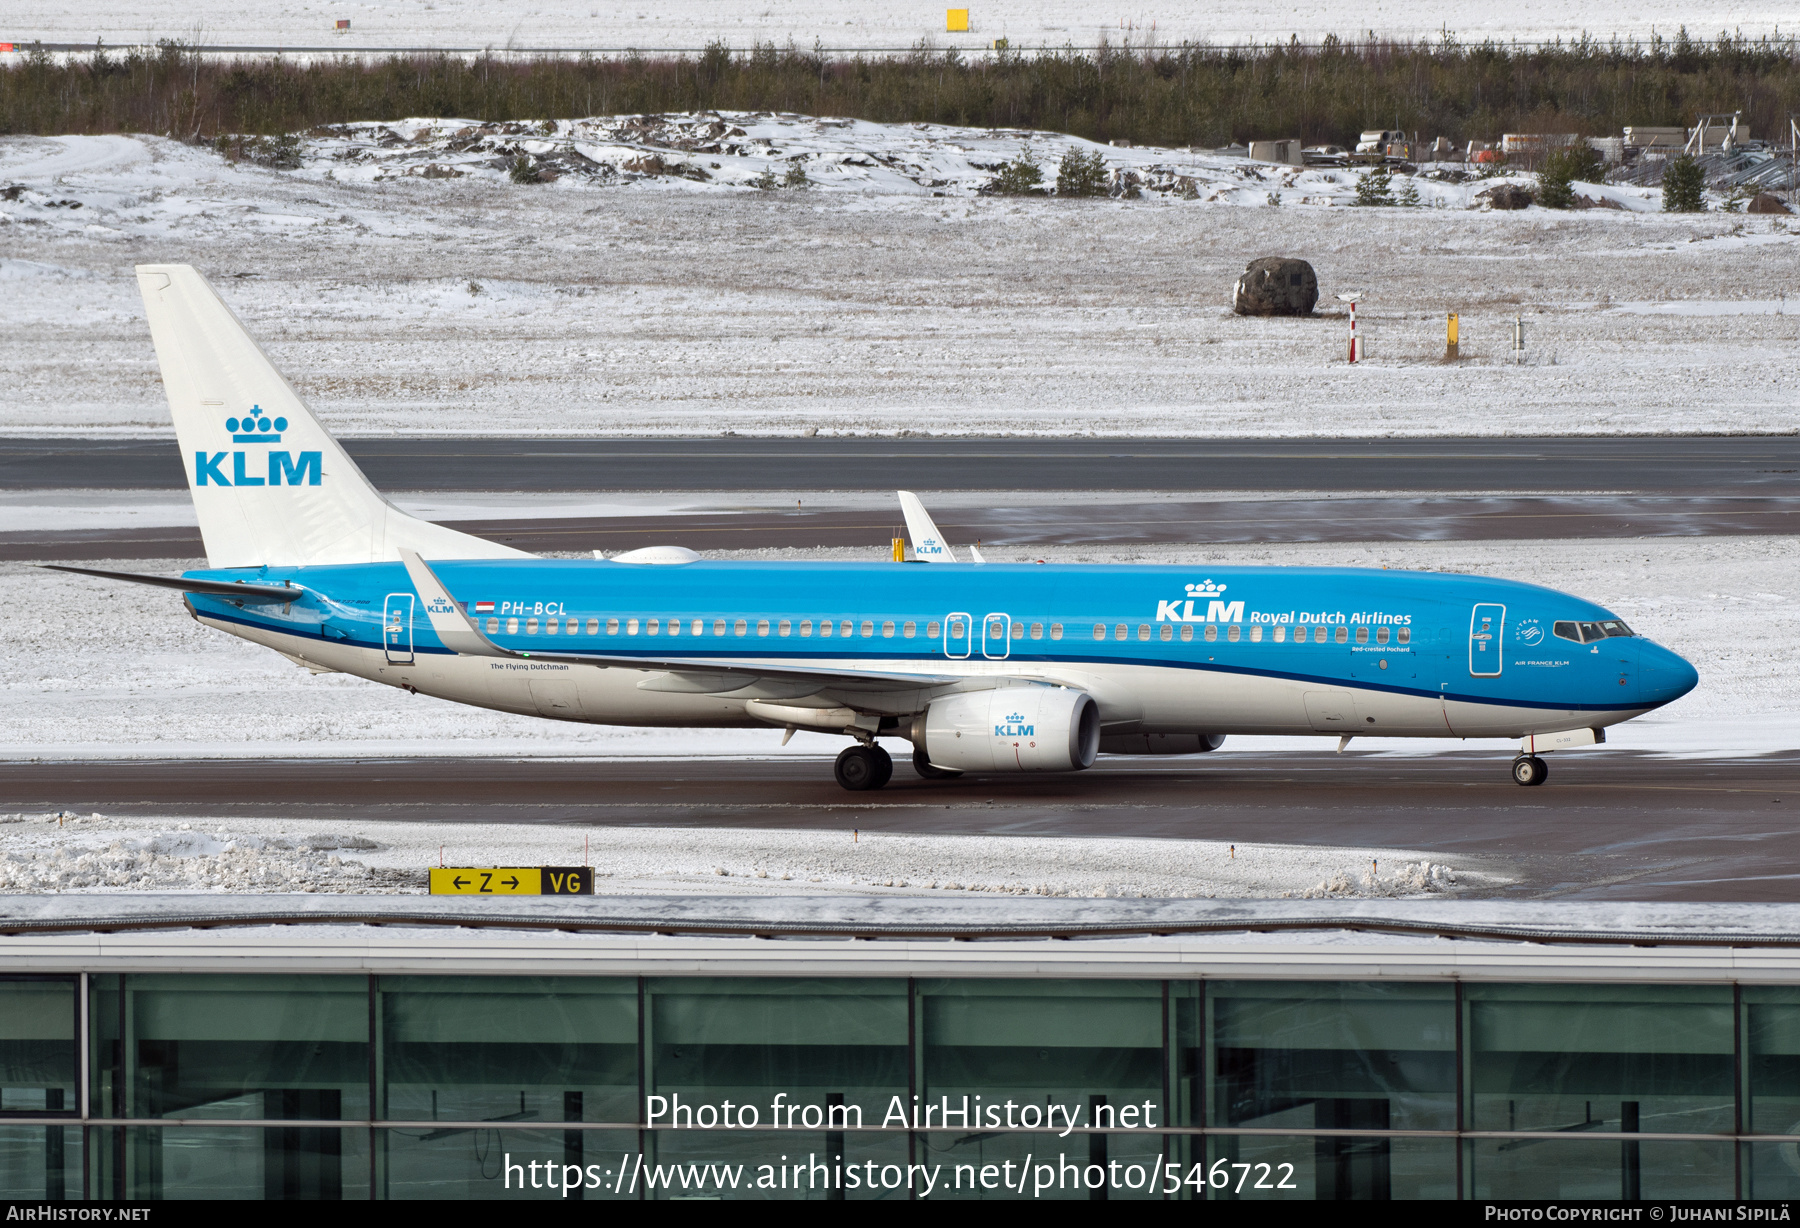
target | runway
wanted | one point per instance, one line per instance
(1609, 825)
(1698, 465)
(1055, 524)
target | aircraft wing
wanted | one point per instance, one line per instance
(928, 544)
(711, 675)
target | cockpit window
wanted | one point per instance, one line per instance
(1587, 633)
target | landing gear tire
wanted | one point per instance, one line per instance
(860, 768)
(929, 770)
(1530, 770)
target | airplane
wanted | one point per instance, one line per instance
(979, 667)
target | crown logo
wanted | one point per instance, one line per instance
(1014, 718)
(256, 427)
(1206, 588)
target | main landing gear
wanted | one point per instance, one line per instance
(863, 767)
(1530, 770)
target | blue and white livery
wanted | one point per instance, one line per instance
(980, 667)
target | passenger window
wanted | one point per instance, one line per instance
(1037, 631)
(718, 626)
(1121, 632)
(1280, 635)
(887, 630)
(593, 626)
(1362, 635)
(1099, 631)
(762, 626)
(825, 626)
(550, 627)
(1233, 632)
(740, 627)
(1018, 631)
(493, 625)
(931, 631)
(699, 627)
(612, 626)
(785, 628)
(1143, 631)
(910, 630)
(631, 626)
(1187, 632)
(806, 628)
(1056, 631)
(1168, 631)
(1342, 635)
(674, 626)
(1212, 633)
(531, 626)
(868, 628)
(1381, 635)
(653, 626)
(845, 628)
(1319, 635)
(1256, 635)
(1403, 634)
(512, 626)
(996, 631)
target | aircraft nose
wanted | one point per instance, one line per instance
(1664, 677)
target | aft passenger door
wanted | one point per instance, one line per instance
(996, 637)
(959, 631)
(396, 633)
(1486, 622)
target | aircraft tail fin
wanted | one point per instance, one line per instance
(928, 544)
(269, 483)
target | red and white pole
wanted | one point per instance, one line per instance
(1353, 350)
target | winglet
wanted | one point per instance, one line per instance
(927, 543)
(452, 624)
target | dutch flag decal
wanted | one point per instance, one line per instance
(484, 607)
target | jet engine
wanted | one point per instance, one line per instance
(1161, 743)
(1012, 729)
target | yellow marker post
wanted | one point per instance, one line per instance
(512, 880)
(1450, 335)
(956, 21)
(899, 550)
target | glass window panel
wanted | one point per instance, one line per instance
(496, 1163)
(1772, 1170)
(40, 1162)
(1600, 1168)
(247, 1046)
(788, 1164)
(1319, 1055)
(285, 1163)
(509, 1048)
(1328, 1167)
(37, 1046)
(1555, 1057)
(1041, 1044)
(1772, 1059)
(766, 1042)
(978, 1165)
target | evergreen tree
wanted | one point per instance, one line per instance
(1020, 177)
(796, 176)
(1375, 188)
(1683, 182)
(1561, 169)
(1081, 174)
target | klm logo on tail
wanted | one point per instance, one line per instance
(283, 468)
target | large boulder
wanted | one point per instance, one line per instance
(1276, 286)
(1766, 202)
(1506, 196)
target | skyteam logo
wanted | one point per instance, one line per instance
(1218, 608)
(1015, 727)
(277, 468)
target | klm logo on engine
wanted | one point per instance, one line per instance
(278, 468)
(1218, 610)
(1015, 727)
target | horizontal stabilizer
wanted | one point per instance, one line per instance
(213, 588)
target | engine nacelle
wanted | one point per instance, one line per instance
(1012, 729)
(1160, 743)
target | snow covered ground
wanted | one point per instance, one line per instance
(619, 301)
(64, 851)
(691, 24)
(95, 669)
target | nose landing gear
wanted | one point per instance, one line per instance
(1530, 770)
(863, 767)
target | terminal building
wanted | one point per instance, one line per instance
(402, 1047)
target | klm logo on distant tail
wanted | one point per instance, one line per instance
(1015, 728)
(1218, 610)
(929, 547)
(283, 468)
